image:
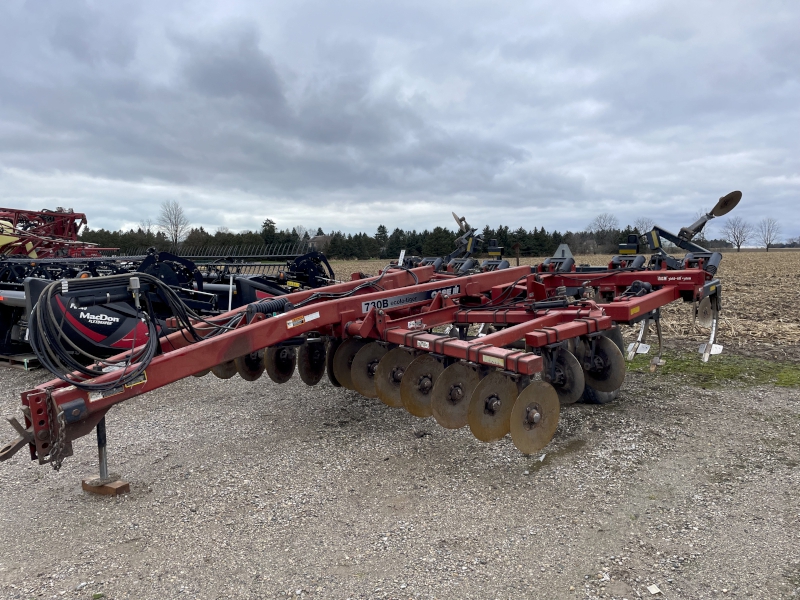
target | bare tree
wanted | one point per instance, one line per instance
(173, 221)
(146, 225)
(604, 228)
(701, 237)
(643, 224)
(737, 231)
(603, 223)
(768, 231)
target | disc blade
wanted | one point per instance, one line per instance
(365, 364)
(389, 375)
(534, 418)
(333, 345)
(726, 204)
(705, 314)
(417, 385)
(250, 366)
(490, 407)
(343, 360)
(567, 376)
(451, 394)
(280, 363)
(608, 368)
(311, 360)
(224, 370)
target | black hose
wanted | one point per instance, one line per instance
(62, 357)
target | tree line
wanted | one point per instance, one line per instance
(602, 235)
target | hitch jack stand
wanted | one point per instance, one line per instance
(107, 484)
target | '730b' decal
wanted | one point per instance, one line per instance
(397, 301)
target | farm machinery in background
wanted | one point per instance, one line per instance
(549, 332)
(44, 246)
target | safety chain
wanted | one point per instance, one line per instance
(55, 413)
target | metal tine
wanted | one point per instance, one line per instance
(713, 337)
(657, 361)
(634, 347)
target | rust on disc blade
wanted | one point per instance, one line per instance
(607, 371)
(311, 360)
(280, 363)
(569, 380)
(705, 314)
(333, 345)
(726, 204)
(534, 418)
(451, 394)
(389, 374)
(343, 359)
(490, 407)
(224, 370)
(362, 371)
(250, 366)
(417, 385)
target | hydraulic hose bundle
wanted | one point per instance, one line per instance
(75, 365)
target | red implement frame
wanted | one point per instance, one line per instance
(44, 234)
(410, 304)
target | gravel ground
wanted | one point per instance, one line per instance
(254, 490)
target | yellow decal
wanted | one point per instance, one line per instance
(294, 284)
(635, 310)
(138, 381)
(493, 360)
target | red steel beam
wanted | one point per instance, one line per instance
(181, 359)
(624, 311)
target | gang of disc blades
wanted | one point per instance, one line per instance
(365, 364)
(280, 363)
(250, 366)
(311, 360)
(333, 345)
(451, 395)
(389, 375)
(534, 418)
(569, 380)
(726, 204)
(417, 385)
(489, 414)
(608, 369)
(224, 370)
(705, 314)
(343, 360)
(202, 373)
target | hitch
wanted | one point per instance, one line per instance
(24, 438)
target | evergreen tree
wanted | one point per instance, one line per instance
(268, 231)
(382, 235)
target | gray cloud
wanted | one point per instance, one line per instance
(346, 116)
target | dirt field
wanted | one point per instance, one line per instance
(254, 490)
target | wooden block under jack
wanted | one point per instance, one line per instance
(111, 488)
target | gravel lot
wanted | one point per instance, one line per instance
(254, 490)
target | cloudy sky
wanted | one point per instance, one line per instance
(345, 115)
